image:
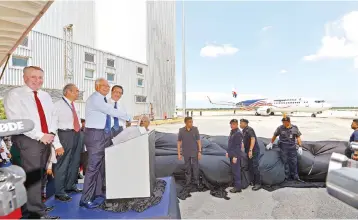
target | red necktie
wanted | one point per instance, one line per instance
(41, 112)
(76, 123)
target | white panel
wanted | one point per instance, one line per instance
(65, 12)
(120, 163)
(121, 28)
(161, 57)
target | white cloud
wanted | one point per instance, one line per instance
(266, 28)
(283, 71)
(212, 50)
(340, 40)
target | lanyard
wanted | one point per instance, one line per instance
(67, 103)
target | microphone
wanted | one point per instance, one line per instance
(15, 127)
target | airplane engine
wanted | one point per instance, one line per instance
(264, 111)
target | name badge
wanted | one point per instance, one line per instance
(290, 135)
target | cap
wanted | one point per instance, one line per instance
(286, 119)
(233, 121)
(244, 120)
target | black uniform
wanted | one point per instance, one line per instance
(249, 133)
(189, 139)
(287, 144)
(234, 150)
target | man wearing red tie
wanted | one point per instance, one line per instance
(68, 130)
(30, 102)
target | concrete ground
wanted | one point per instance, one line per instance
(284, 203)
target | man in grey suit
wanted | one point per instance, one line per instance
(97, 136)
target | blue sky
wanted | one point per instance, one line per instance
(273, 49)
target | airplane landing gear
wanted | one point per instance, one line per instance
(313, 115)
(272, 113)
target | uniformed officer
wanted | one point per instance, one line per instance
(233, 152)
(252, 151)
(288, 134)
(353, 138)
(189, 141)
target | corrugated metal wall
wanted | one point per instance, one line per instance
(48, 53)
(64, 12)
(161, 56)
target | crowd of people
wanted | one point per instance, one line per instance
(61, 143)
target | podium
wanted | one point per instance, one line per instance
(129, 162)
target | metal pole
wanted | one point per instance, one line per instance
(183, 63)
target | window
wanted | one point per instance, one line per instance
(110, 77)
(140, 99)
(110, 63)
(140, 82)
(139, 70)
(25, 42)
(20, 61)
(89, 57)
(89, 73)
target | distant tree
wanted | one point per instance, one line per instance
(2, 110)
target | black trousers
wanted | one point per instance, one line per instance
(191, 165)
(34, 156)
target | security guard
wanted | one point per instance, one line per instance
(252, 151)
(288, 134)
(233, 152)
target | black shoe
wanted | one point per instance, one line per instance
(49, 217)
(256, 187)
(64, 198)
(235, 190)
(74, 190)
(49, 208)
(299, 180)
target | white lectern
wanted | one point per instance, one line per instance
(130, 164)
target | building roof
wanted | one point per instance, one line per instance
(17, 18)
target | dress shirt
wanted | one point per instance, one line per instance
(62, 114)
(19, 103)
(97, 110)
(120, 121)
(52, 159)
(6, 151)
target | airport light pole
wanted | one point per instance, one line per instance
(183, 63)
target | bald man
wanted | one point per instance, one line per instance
(97, 137)
(144, 122)
(30, 102)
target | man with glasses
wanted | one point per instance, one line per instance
(97, 136)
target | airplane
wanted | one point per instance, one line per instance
(267, 107)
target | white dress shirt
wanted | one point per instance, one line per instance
(121, 122)
(52, 159)
(97, 110)
(19, 103)
(62, 114)
(6, 151)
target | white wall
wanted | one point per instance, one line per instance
(64, 12)
(121, 28)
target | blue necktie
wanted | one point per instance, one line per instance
(107, 129)
(116, 122)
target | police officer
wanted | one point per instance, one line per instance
(288, 134)
(353, 138)
(233, 152)
(252, 151)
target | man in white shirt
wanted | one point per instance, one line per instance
(30, 102)
(97, 136)
(68, 130)
(118, 124)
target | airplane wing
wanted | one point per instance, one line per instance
(222, 103)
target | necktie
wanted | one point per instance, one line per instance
(76, 123)
(107, 128)
(115, 119)
(41, 112)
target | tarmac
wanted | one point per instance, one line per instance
(286, 203)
